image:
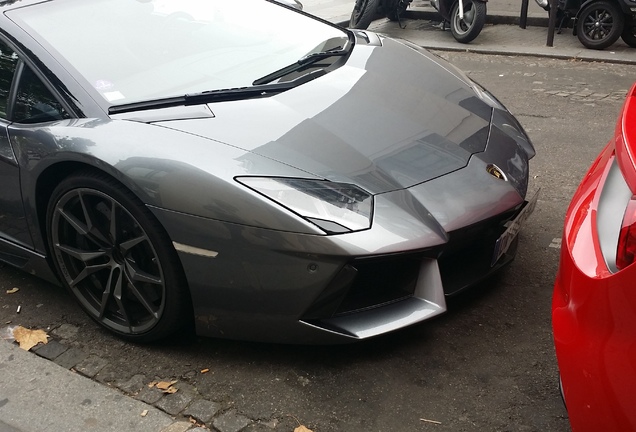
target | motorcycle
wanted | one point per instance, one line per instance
(596, 23)
(466, 18)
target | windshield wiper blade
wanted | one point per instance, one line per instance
(305, 61)
(222, 95)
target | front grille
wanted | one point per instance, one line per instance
(380, 281)
(366, 283)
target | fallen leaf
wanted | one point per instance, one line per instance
(29, 338)
(205, 370)
(13, 290)
(144, 413)
(302, 428)
(165, 385)
(152, 384)
(170, 390)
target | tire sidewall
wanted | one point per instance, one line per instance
(477, 25)
(366, 16)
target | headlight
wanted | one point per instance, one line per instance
(335, 207)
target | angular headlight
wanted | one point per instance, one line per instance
(335, 207)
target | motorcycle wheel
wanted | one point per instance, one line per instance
(629, 34)
(363, 13)
(397, 11)
(468, 27)
(599, 25)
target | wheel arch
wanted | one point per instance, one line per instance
(52, 175)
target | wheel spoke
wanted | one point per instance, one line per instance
(137, 275)
(106, 294)
(81, 255)
(87, 271)
(118, 296)
(144, 302)
(74, 222)
(126, 246)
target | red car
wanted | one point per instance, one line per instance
(594, 304)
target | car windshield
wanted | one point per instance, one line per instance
(135, 50)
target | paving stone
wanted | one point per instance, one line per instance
(66, 331)
(150, 395)
(180, 426)
(202, 410)
(174, 403)
(230, 422)
(109, 374)
(51, 350)
(70, 357)
(133, 385)
(91, 365)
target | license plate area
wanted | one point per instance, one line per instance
(514, 226)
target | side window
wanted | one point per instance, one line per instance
(8, 62)
(34, 102)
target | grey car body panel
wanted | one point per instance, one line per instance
(420, 143)
(351, 126)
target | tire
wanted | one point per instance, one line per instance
(599, 25)
(364, 12)
(116, 259)
(465, 29)
(397, 11)
(629, 34)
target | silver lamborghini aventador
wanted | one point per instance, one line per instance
(248, 168)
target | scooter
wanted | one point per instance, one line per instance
(597, 23)
(466, 18)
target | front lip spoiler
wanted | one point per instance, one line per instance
(428, 301)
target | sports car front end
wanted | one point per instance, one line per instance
(594, 303)
(280, 177)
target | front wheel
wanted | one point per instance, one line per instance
(364, 12)
(116, 259)
(599, 25)
(466, 28)
(629, 34)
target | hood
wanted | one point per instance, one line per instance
(388, 119)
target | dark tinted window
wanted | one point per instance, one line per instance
(8, 61)
(34, 102)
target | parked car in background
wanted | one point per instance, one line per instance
(248, 167)
(594, 305)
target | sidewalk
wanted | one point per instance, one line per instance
(501, 35)
(37, 395)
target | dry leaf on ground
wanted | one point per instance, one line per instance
(13, 290)
(165, 386)
(29, 338)
(302, 428)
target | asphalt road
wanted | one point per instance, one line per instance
(486, 365)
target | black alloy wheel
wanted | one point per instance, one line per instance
(364, 12)
(600, 24)
(629, 33)
(466, 28)
(116, 259)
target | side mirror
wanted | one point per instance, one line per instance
(296, 4)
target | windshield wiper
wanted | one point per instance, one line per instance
(222, 95)
(305, 61)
